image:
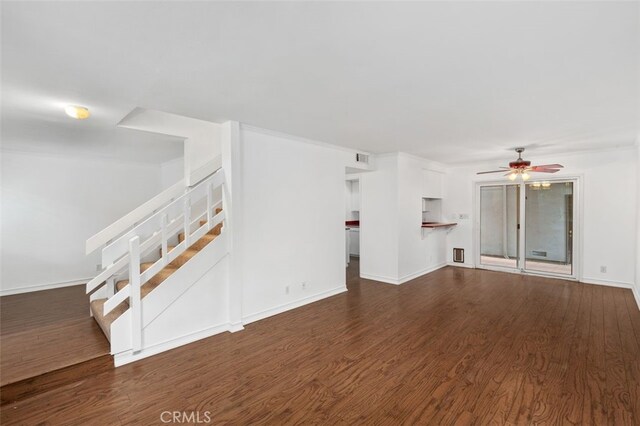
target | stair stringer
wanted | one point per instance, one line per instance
(189, 305)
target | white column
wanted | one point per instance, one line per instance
(232, 196)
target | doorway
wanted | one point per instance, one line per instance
(527, 227)
(352, 219)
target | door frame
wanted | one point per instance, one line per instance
(577, 228)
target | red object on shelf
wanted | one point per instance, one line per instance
(352, 223)
(437, 224)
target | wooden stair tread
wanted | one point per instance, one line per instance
(153, 282)
(104, 321)
(215, 231)
(202, 242)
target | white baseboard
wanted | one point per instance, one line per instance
(40, 287)
(379, 278)
(619, 284)
(128, 356)
(288, 306)
(415, 275)
(636, 295)
(408, 277)
(235, 327)
(461, 265)
(608, 283)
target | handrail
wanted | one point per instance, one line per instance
(201, 173)
(130, 219)
(119, 246)
(113, 255)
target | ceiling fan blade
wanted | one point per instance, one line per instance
(538, 169)
(492, 171)
(550, 166)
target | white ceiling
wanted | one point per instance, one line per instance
(451, 82)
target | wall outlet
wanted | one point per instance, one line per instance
(304, 285)
(98, 267)
(603, 269)
(286, 290)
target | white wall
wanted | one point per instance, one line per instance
(293, 222)
(637, 288)
(171, 172)
(52, 204)
(201, 147)
(202, 138)
(608, 198)
(379, 216)
(200, 311)
(391, 204)
(417, 255)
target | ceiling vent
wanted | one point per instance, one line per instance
(362, 158)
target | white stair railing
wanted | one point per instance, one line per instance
(143, 211)
(126, 252)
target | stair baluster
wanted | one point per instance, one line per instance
(136, 305)
(164, 220)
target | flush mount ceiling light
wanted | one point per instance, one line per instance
(77, 112)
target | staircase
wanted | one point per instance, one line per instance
(157, 267)
(97, 305)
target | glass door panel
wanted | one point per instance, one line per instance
(549, 227)
(499, 224)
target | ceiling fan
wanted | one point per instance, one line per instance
(522, 168)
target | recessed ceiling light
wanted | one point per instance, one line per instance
(77, 112)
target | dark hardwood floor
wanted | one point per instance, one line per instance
(46, 331)
(457, 346)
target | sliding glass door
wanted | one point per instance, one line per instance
(527, 227)
(549, 227)
(499, 219)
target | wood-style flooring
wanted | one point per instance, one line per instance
(457, 346)
(46, 331)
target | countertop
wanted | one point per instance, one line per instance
(437, 224)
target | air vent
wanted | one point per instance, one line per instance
(538, 253)
(458, 255)
(362, 158)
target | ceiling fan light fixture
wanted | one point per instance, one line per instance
(521, 168)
